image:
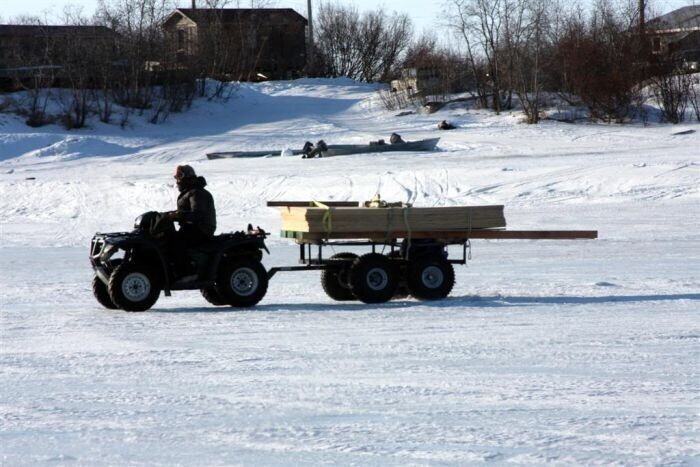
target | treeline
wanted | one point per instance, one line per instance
(507, 53)
(529, 49)
(132, 68)
(513, 52)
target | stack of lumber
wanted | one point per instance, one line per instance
(391, 219)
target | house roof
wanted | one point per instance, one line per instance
(682, 19)
(233, 14)
(31, 30)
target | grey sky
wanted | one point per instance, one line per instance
(424, 13)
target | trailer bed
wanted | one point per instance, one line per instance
(443, 235)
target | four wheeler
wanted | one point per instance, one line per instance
(132, 268)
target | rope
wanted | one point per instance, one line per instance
(389, 222)
(327, 218)
(408, 229)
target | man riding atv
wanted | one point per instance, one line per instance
(132, 268)
(196, 215)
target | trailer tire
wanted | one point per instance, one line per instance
(430, 277)
(242, 282)
(401, 288)
(133, 288)
(99, 290)
(335, 281)
(213, 296)
(373, 278)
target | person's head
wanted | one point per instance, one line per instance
(184, 176)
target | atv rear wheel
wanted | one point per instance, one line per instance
(242, 283)
(133, 288)
(335, 281)
(213, 296)
(99, 290)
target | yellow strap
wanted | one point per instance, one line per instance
(408, 230)
(327, 217)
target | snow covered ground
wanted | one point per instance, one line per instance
(578, 352)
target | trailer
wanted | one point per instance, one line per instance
(396, 263)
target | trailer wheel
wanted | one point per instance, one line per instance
(373, 278)
(335, 281)
(401, 288)
(213, 296)
(133, 288)
(430, 277)
(242, 283)
(99, 290)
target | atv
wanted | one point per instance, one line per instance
(132, 268)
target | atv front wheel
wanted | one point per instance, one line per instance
(99, 290)
(133, 288)
(242, 283)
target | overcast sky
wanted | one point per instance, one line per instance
(424, 13)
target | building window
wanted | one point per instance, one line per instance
(181, 39)
(656, 45)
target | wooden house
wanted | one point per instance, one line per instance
(28, 51)
(676, 35)
(266, 43)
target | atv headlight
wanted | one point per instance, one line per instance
(137, 222)
(107, 252)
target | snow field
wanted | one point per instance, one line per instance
(566, 353)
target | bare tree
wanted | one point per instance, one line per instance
(365, 47)
(34, 71)
(494, 29)
(599, 60)
(142, 47)
(672, 91)
(463, 24)
(694, 96)
(78, 58)
(527, 52)
(488, 17)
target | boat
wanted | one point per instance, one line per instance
(337, 150)
(348, 149)
(247, 154)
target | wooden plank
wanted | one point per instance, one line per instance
(306, 204)
(344, 219)
(457, 235)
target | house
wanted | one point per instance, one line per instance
(426, 80)
(419, 80)
(34, 45)
(260, 42)
(676, 35)
(27, 51)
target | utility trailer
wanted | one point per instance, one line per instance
(398, 263)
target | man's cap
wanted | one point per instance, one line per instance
(184, 171)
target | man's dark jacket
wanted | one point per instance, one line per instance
(195, 208)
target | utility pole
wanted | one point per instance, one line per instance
(309, 14)
(310, 55)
